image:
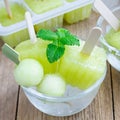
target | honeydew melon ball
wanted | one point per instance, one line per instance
(29, 72)
(52, 85)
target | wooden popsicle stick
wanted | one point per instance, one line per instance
(91, 41)
(107, 14)
(10, 53)
(30, 27)
(8, 8)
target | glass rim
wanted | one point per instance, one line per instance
(39, 95)
(111, 48)
(100, 19)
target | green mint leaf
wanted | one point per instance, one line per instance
(70, 40)
(54, 52)
(61, 32)
(47, 35)
(66, 38)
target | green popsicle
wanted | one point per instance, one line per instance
(78, 14)
(15, 37)
(82, 70)
(36, 51)
(113, 38)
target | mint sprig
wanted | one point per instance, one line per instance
(66, 38)
(54, 52)
(47, 35)
(60, 38)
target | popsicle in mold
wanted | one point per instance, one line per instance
(17, 14)
(14, 37)
(41, 6)
(78, 14)
(82, 69)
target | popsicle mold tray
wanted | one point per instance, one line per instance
(51, 17)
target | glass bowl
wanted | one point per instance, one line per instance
(113, 54)
(112, 3)
(74, 100)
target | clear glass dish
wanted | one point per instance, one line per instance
(74, 100)
(113, 54)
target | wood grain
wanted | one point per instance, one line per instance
(116, 93)
(8, 90)
(1, 43)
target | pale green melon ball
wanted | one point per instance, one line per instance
(52, 85)
(29, 72)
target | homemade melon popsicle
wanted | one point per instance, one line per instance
(42, 6)
(37, 51)
(35, 48)
(82, 66)
(78, 14)
(52, 84)
(13, 37)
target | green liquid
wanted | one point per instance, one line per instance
(41, 6)
(17, 15)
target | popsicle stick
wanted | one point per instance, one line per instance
(30, 27)
(8, 8)
(10, 53)
(107, 14)
(91, 41)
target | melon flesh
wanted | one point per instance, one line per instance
(113, 38)
(41, 6)
(81, 70)
(36, 51)
(78, 14)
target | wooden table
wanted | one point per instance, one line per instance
(15, 106)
